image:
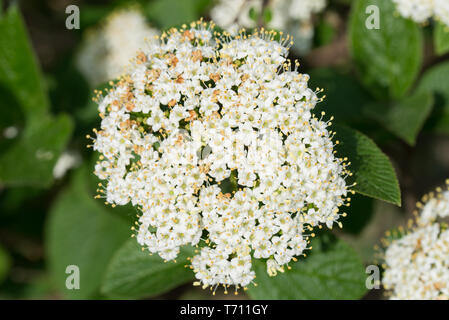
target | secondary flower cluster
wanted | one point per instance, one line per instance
(417, 264)
(213, 138)
(422, 10)
(291, 16)
(107, 50)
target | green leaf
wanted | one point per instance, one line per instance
(388, 59)
(5, 262)
(135, 274)
(406, 118)
(19, 73)
(441, 38)
(436, 80)
(29, 158)
(171, 13)
(83, 232)
(345, 97)
(30, 161)
(267, 16)
(331, 271)
(371, 168)
(40, 288)
(253, 14)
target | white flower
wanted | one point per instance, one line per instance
(291, 16)
(107, 50)
(273, 267)
(418, 10)
(303, 9)
(421, 11)
(417, 264)
(218, 142)
(234, 14)
(442, 11)
(435, 207)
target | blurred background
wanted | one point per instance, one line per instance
(48, 216)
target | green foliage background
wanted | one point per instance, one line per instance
(389, 96)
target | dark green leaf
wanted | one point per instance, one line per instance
(331, 271)
(371, 168)
(389, 58)
(29, 158)
(135, 274)
(405, 118)
(30, 161)
(345, 98)
(19, 73)
(82, 232)
(436, 80)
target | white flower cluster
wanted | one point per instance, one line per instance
(213, 138)
(291, 16)
(435, 208)
(107, 50)
(417, 264)
(422, 10)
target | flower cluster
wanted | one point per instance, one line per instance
(422, 10)
(213, 138)
(292, 16)
(417, 264)
(107, 50)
